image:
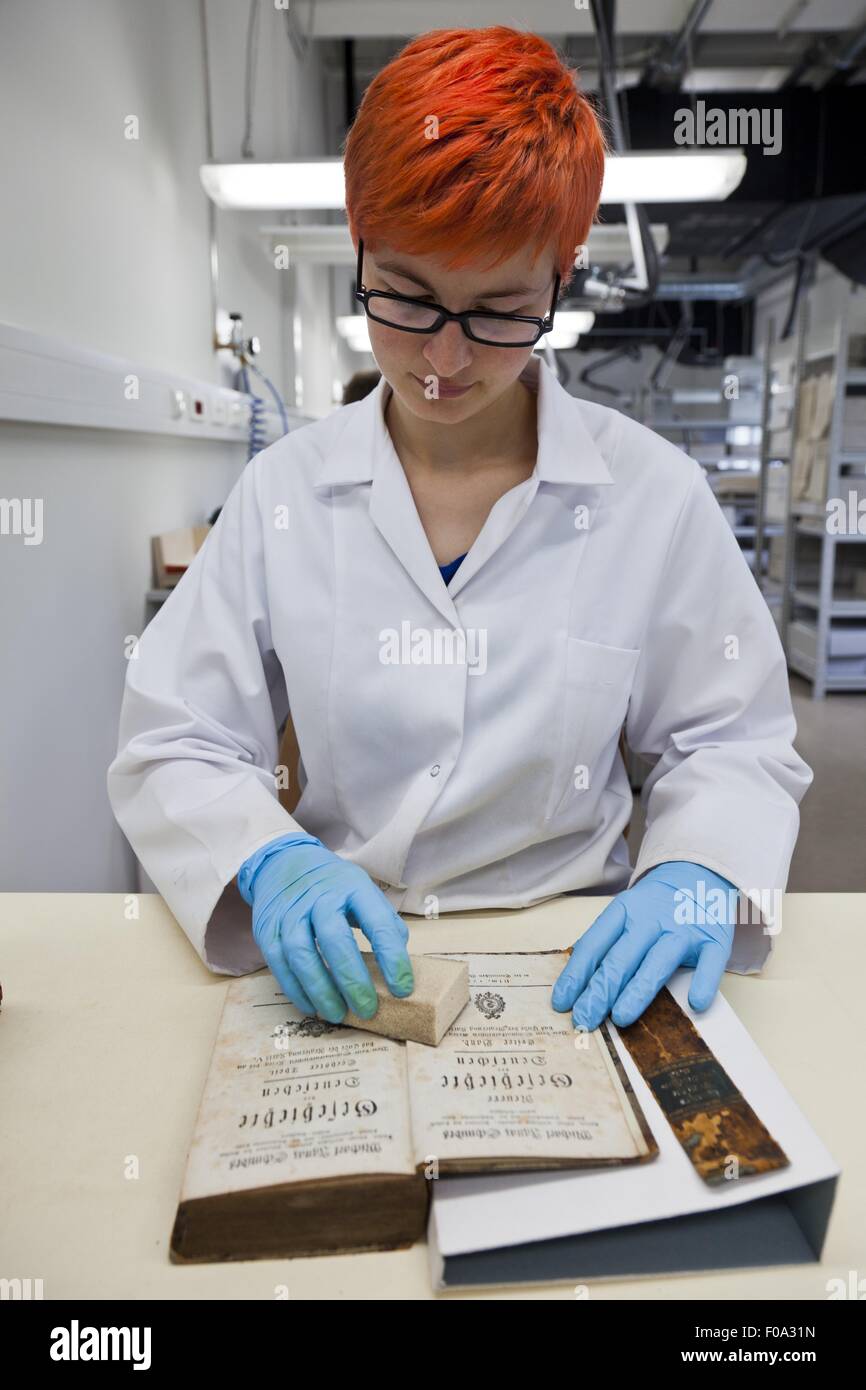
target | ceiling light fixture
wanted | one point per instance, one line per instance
(648, 176)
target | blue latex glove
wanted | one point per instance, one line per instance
(303, 899)
(634, 946)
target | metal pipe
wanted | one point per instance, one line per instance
(587, 376)
(846, 62)
(755, 278)
(789, 19)
(691, 25)
(696, 287)
(671, 354)
(668, 62)
(602, 18)
(350, 101)
(854, 49)
(643, 247)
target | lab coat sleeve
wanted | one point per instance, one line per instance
(711, 702)
(192, 785)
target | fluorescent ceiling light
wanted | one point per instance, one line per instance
(734, 79)
(688, 176)
(682, 176)
(688, 396)
(311, 243)
(330, 243)
(623, 77)
(305, 183)
(609, 242)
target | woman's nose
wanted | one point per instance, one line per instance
(448, 351)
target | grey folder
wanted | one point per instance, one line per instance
(660, 1218)
(785, 1229)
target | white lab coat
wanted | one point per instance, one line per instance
(607, 587)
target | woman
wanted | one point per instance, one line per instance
(462, 587)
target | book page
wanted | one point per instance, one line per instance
(290, 1098)
(512, 1079)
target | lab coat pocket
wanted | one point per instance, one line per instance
(598, 682)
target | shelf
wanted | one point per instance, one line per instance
(825, 355)
(702, 424)
(812, 604)
(845, 682)
(804, 667)
(727, 460)
(816, 533)
(839, 607)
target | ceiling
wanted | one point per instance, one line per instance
(754, 43)
(810, 54)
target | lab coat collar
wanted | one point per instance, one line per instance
(567, 451)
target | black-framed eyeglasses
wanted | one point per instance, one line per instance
(422, 316)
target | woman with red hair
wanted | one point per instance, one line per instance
(461, 588)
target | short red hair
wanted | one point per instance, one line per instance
(518, 157)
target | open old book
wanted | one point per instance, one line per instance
(313, 1138)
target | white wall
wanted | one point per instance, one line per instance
(104, 242)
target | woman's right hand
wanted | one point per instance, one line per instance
(305, 901)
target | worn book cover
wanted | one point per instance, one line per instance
(712, 1120)
(313, 1137)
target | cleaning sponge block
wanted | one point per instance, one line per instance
(441, 992)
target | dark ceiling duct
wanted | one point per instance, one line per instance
(819, 130)
(848, 253)
(705, 333)
(851, 59)
(604, 23)
(844, 57)
(670, 62)
(809, 195)
(350, 92)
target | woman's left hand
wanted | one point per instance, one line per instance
(678, 914)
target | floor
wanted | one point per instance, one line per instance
(830, 856)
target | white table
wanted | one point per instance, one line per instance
(106, 1031)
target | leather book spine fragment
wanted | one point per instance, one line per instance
(714, 1123)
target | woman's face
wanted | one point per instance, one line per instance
(420, 365)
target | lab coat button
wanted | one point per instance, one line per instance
(434, 771)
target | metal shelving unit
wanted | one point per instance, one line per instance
(771, 587)
(722, 459)
(818, 644)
